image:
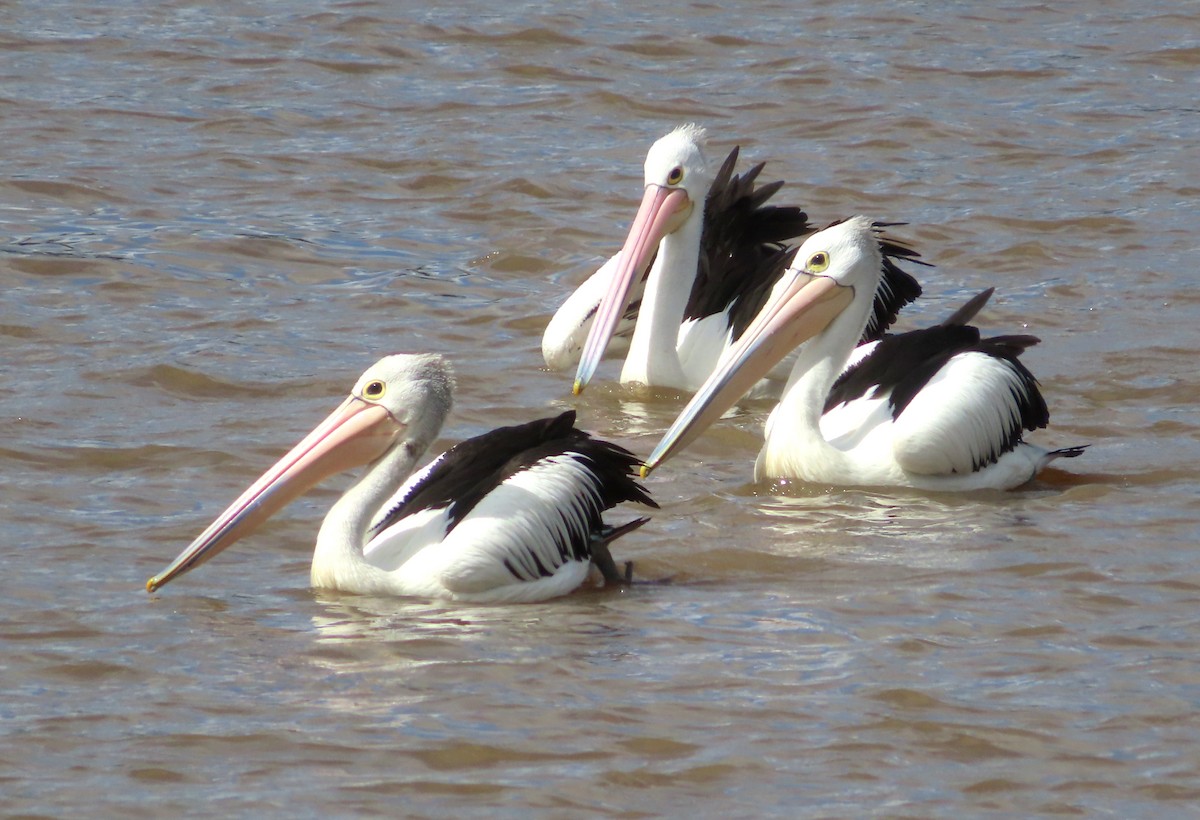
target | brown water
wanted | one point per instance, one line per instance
(213, 218)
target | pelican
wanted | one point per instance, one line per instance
(934, 409)
(512, 515)
(688, 276)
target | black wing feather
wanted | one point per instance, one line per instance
(901, 365)
(896, 287)
(742, 249)
(467, 472)
(971, 307)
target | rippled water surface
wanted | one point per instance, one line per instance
(213, 217)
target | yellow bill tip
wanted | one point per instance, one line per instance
(577, 388)
(152, 584)
(644, 471)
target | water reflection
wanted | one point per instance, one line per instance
(418, 632)
(941, 532)
(414, 663)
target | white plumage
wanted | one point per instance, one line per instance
(934, 409)
(563, 339)
(701, 248)
(512, 515)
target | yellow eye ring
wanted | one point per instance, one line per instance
(818, 262)
(374, 390)
(675, 176)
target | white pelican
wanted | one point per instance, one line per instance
(511, 515)
(688, 276)
(934, 409)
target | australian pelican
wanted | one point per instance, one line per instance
(511, 515)
(934, 409)
(698, 262)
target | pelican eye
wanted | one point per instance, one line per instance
(374, 390)
(818, 262)
(675, 176)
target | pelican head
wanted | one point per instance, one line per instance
(401, 400)
(677, 179)
(827, 292)
(677, 161)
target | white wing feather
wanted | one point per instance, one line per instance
(528, 515)
(562, 342)
(961, 418)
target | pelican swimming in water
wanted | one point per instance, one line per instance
(933, 409)
(698, 261)
(511, 515)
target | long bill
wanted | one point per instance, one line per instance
(661, 212)
(804, 307)
(356, 433)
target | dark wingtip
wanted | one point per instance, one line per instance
(967, 312)
(1012, 345)
(726, 169)
(602, 557)
(611, 534)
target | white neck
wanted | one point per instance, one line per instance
(338, 561)
(794, 444)
(653, 358)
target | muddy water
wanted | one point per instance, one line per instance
(212, 219)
